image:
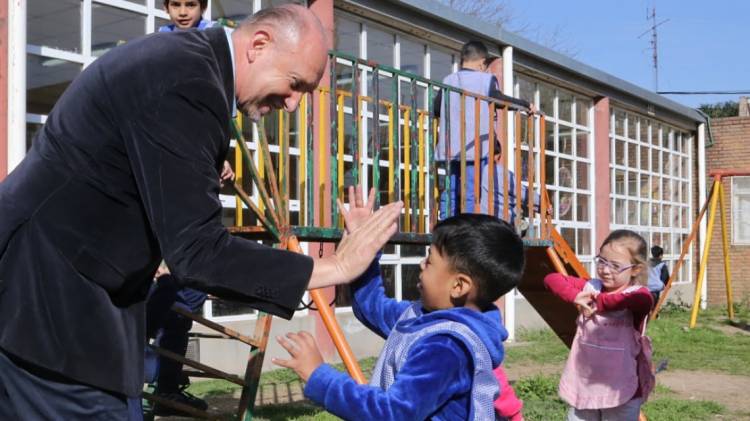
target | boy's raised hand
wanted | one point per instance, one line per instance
(358, 211)
(304, 352)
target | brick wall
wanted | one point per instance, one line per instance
(731, 150)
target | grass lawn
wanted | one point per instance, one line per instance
(709, 348)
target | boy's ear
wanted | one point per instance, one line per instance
(462, 286)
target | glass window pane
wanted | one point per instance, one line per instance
(619, 210)
(631, 126)
(582, 111)
(645, 186)
(412, 56)
(388, 273)
(230, 9)
(441, 64)
(644, 130)
(46, 79)
(583, 208)
(380, 46)
(113, 26)
(347, 36)
(569, 234)
(644, 158)
(565, 106)
(566, 206)
(546, 100)
(565, 139)
(632, 184)
(566, 173)
(619, 123)
(549, 135)
(54, 23)
(619, 182)
(582, 175)
(526, 89)
(584, 241)
(582, 144)
(620, 152)
(645, 220)
(632, 212)
(632, 155)
(409, 280)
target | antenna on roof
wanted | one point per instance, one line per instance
(651, 15)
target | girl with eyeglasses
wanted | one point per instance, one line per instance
(604, 377)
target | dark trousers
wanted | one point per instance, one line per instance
(450, 198)
(28, 392)
(169, 329)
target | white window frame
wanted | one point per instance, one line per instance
(735, 208)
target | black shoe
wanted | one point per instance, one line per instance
(181, 396)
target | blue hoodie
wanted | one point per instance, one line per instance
(436, 378)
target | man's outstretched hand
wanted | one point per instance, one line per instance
(358, 248)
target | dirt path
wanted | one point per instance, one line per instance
(729, 390)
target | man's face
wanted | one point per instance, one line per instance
(185, 14)
(278, 73)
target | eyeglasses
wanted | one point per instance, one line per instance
(616, 268)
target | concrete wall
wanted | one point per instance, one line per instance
(231, 356)
(731, 150)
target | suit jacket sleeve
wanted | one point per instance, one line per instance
(176, 146)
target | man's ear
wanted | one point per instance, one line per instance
(462, 286)
(259, 42)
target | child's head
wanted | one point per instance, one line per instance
(621, 260)
(473, 260)
(185, 14)
(473, 55)
(657, 252)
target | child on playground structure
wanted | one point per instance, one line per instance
(440, 351)
(607, 375)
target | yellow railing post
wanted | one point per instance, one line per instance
(406, 135)
(238, 205)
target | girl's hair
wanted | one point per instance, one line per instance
(636, 245)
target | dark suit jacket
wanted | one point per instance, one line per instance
(126, 171)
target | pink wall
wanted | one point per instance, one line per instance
(601, 170)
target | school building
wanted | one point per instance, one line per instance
(617, 155)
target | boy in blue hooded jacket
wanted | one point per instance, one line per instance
(440, 351)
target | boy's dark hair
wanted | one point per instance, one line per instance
(204, 4)
(473, 50)
(483, 247)
(657, 252)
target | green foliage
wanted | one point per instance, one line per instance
(538, 387)
(721, 109)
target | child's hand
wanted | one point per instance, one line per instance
(358, 211)
(304, 351)
(226, 173)
(585, 301)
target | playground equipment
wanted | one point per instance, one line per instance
(340, 137)
(716, 195)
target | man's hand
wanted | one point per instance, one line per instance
(356, 250)
(585, 301)
(358, 211)
(226, 174)
(304, 351)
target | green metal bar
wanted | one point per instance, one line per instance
(310, 159)
(356, 121)
(417, 78)
(375, 155)
(432, 176)
(397, 139)
(284, 157)
(334, 146)
(266, 151)
(254, 175)
(414, 202)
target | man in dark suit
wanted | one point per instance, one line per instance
(125, 172)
